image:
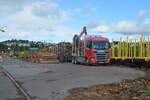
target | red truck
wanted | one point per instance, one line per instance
(90, 49)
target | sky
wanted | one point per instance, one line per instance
(59, 20)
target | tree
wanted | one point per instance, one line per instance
(3, 47)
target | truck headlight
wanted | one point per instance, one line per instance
(92, 59)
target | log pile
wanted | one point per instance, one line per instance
(47, 58)
(43, 57)
(65, 52)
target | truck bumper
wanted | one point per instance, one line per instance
(94, 62)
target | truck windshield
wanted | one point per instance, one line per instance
(100, 45)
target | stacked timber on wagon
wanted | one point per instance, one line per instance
(134, 52)
(65, 52)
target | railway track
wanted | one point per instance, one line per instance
(18, 86)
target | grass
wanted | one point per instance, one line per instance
(147, 92)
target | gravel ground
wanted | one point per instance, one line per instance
(52, 81)
(125, 90)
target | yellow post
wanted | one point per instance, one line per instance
(131, 49)
(127, 48)
(120, 47)
(112, 48)
(148, 47)
(123, 49)
(135, 48)
(118, 53)
(141, 47)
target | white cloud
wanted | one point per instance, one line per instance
(133, 27)
(101, 28)
(51, 10)
(19, 35)
(142, 13)
(124, 27)
(45, 9)
(40, 18)
(36, 11)
(147, 22)
(8, 7)
(44, 19)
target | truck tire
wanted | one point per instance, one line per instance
(72, 60)
(75, 61)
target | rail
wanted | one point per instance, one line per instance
(19, 87)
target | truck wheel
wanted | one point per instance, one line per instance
(75, 61)
(72, 61)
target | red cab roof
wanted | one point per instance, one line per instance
(96, 38)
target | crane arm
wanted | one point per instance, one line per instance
(84, 31)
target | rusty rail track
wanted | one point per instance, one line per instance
(19, 87)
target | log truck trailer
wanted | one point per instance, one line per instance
(90, 49)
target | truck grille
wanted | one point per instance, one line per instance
(102, 57)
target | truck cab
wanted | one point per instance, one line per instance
(97, 50)
(92, 50)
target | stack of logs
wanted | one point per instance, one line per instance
(64, 52)
(43, 56)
